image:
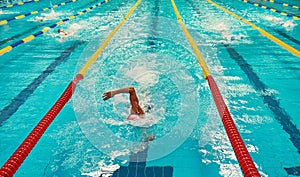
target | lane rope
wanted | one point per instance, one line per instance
(246, 163)
(18, 4)
(263, 32)
(284, 4)
(286, 14)
(44, 30)
(3, 22)
(17, 158)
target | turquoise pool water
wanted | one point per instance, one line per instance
(258, 79)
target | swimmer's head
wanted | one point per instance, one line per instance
(40, 19)
(59, 30)
(151, 137)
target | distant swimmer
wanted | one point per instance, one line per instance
(288, 24)
(39, 19)
(136, 112)
(278, 21)
(229, 36)
(60, 31)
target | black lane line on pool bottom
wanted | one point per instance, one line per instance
(287, 36)
(273, 104)
(293, 171)
(152, 40)
(21, 98)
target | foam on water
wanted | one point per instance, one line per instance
(52, 15)
(6, 12)
(216, 148)
(103, 170)
(147, 121)
(279, 21)
(225, 28)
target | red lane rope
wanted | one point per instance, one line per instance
(240, 150)
(17, 158)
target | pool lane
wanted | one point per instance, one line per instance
(272, 102)
(21, 98)
(280, 114)
(44, 30)
(51, 16)
(262, 31)
(271, 23)
(6, 21)
(18, 4)
(12, 106)
(281, 12)
(284, 4)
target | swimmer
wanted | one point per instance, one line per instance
(39, 19)
(136, 111)
(278, 21)
(288, 24)
(149, 138)
(60, 31)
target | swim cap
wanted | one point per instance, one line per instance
(133, 117)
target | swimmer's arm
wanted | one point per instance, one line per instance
(112, 93)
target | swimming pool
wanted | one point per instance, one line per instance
(258, 79)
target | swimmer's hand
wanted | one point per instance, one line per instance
(107, 95)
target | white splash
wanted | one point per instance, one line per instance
(112, 121)
(52, 15)
(288, 25)
(147, 120)
(6, 12)
(143, 75)
(103, 170)
(115, 154)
